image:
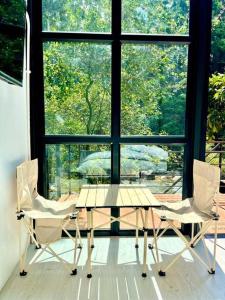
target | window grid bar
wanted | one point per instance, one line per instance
(67, 139)
(93, 37)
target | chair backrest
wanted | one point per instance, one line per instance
(27, 177)
(206, 184)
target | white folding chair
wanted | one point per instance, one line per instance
(51, 218)
(195, 210)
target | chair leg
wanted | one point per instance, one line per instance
(23, 256)
(151, 246)
(196, 239)
(74, 271)
(192, 233)
(78, 231)
(213, 269)
(205, 247)
(63, 261)
(23, 259)
(22, 272)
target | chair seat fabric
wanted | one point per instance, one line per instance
(183, 211)
(36, 214)
(49, 216)
(53, 207)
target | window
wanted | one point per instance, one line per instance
(155, 16)
(77, 16)
(154, 80)
(77, 87)
(114, 94)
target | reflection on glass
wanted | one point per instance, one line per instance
(71, 166)
(155, 16)
(11, 56)
(153, 89)
(158, 167)
(218, 37)
(77, 15)
(77, 79)
(12, 12)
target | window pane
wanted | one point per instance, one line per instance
(68, 167)
(11, 56)
(158, 167)
(77, 16)
(77, 79)
(153, 89)
(71, 166)
(155, 16)
(13, 12)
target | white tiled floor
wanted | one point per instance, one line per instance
(117, 268)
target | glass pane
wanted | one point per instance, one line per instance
(77, 16)
(215, 155)
(77, 79)
(218, 38)
(158, 167)
(215, 147)
(13, 12)
(154, 81)
(68, 167)
(11, 56)
(155, 16)
(71, 166)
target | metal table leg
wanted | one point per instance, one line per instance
(89, 275)
(155, 237)
(144, 274)
(92, 230)
(137, 222)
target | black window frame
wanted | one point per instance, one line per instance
(198, 41)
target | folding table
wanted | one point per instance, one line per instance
(138, 197)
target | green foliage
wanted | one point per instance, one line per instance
(78, 75)
(155, 16)
(78, 15)
(216, 110)
(12, 12)
(77, 88)
(218, 37)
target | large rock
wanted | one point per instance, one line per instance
(134, 159)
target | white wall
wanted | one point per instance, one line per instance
(14, 148)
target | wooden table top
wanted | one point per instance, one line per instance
(116, 195)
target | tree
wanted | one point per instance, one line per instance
(216, 109)
(78, 75)
(218, 37)
(216, 117)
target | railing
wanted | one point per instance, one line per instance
(215, 155)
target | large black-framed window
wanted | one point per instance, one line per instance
(193, 42)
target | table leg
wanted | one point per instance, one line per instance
(137, 223)
(89, 275)
(144, 274)
(92, 230)
(155, 237)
